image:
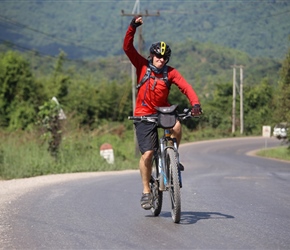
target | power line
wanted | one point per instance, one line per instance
(22, 48)
(254, 19)
(38, 53)
(19, 25)
(185, 12)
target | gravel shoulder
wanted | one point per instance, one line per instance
(11, 190)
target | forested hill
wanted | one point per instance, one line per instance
(92, 29)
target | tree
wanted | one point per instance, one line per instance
(59, 80)
(283, 100)
(48, 117)
(19, 93)
(218, 108)
(258, 106)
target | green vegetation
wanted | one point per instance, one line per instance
(94, 29)
(281, 153)
(49, 117)
(283, 98)
(96, 97)
(24, 154)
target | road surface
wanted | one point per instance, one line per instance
(230, 200)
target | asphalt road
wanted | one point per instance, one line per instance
(230, 200)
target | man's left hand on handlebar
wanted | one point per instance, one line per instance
(196, 110)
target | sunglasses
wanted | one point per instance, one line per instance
(160, 56)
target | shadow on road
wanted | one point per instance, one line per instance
(193, 217)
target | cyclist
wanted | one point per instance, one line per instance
(153, 92)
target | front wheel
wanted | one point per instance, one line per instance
(174, 188)
(154, 186)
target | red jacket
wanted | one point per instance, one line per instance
(152, 95)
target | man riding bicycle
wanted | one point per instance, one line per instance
(154, 78)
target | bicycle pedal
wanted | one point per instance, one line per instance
(147, 206)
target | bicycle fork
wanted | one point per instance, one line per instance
(164, 172)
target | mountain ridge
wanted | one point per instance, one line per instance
(93, 29)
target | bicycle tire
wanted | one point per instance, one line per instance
(154, 186)
(174, 189)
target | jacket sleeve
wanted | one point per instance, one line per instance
(129, 49)
(176, 78)
(139, 62)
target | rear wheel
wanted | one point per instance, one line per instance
(154, 186)
(174, 189)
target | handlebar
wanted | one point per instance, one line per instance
(183, 116)
(143, 118)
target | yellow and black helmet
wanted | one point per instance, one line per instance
(161, 49)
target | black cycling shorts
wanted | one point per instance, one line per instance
(147, 136)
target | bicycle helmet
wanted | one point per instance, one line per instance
(161, 49)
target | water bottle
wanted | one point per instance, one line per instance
(161, 176)
(164, 179)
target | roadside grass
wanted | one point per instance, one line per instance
(281, 153)
(25, 154)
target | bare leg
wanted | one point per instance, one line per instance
(177, 132)
(145, 166)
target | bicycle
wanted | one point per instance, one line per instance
(166, 175)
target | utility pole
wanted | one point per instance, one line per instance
(234, 101)
(241, 100)
(136, 12)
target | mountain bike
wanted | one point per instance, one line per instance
(166, 175)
